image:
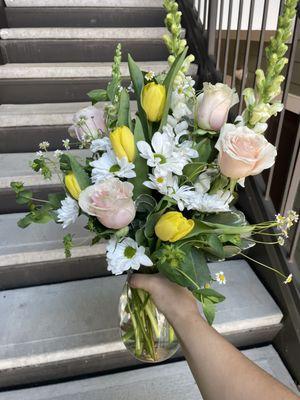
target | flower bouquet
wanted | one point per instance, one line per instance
(159, 185)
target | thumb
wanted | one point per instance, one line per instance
(141, 281)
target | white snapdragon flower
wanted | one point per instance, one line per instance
(109, 166)
(103, 144)
(161, 154)
(125, 255)
(68, 212)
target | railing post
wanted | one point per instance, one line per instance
(3, 22)
(212, 27)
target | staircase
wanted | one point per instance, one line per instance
(59, 336)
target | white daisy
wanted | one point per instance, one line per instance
(288, 279)
(125, 255)
(181, 194)
(220, 278)
(163, 156)
(109, 166)
(103, 144)
(68, 212)
(159, 182)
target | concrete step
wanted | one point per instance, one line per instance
(35, 123)
(84, 3)
(61, 82)
(43, 45)
(73, 14)
(15, 167)
(169, 382)
(36, 256)
(76, 325)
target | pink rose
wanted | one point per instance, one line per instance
(242, 152)
(213, 105)
(88, 124)
(110, 201)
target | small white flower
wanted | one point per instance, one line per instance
(39, 154)
(68, 212)
(159, 182)
(125, 255)
(44, 145)
(66, 143)
(58, 153)
(103, 144)
(211, 203)
(281, 241)
(109, 166)
(220, 278)
(288, 279)
(149, 76)
(181, 194)
(130, 88)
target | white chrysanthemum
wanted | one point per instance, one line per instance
(181, 194)
(103, 144)
(204, 202)
(68, 212)
(162, 155)
(109, 166)
(220, 278)
(125, 255)
(160, 182)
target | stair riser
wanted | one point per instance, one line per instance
(104, 363)
(80, 50)
(30, 91)
(84, 17)
(8, 199)
(47, 272)
(10, 138)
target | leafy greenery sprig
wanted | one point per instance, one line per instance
(260, 104)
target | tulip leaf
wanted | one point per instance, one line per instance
(79, 172)
(204, 148)
(141, 168)
(98, 95)
(192, 170)
(137, 79)
(124, 110)
(168, 83)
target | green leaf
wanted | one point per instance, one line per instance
(79, 172)
(231, 251)
(214, 247)
(55, 199)
(211, 294)
(141, 167)
(68, 244)
(25, 221)
(24, 197)
(98, 95)
(137, 79)
(124, 109)
(232, 218)
(145, 203)
(209, 309)
(168, 83)
(204, 149)
(192, 170)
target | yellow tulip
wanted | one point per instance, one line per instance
(72, 185)
(122, 141)
(173, 226)
(153, 101)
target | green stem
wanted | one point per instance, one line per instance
(265, 266)
(148, 310)
(138, 346)
(188, 278)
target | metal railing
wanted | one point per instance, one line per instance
(236, 32)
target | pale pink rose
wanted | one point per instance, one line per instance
(213, 105)
(110, 201)
(242, 152)
(88, 124)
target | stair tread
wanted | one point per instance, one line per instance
(45, 114)
(82, 33)
(75, 70)
(78, 319)
(84, 3)
(15, 167)
(172, 381)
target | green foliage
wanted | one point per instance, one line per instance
(101, 232)
(40, 165)
(204, 148)
(124, 118)
(68, 244)
(153, 217)
(169, 81)
(209, 298)
(79, 172)
(39, 215)
(23, 196)
(192, 170)
(173, 40)
(113, 88)
(137, 79)
(145, 203)
(97, 95)
(140, 164)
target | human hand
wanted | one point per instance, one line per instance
(175, 302)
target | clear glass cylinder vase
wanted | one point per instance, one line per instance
(145, 331)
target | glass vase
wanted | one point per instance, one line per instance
(145, 331)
